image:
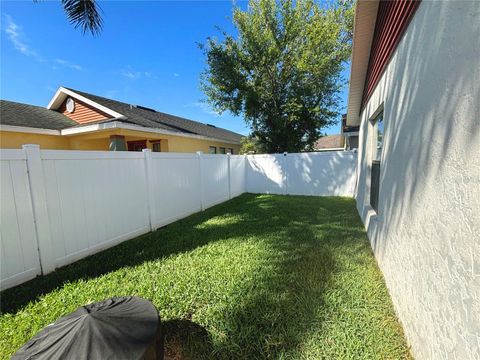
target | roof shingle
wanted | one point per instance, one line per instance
(329, 142)
(18, 114)
(155, 119)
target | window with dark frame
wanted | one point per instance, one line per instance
(221, 150)
(212, 149)
(137, 145)
(377, 145)
(230, 151)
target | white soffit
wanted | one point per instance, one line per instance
(364, 27)
(121, 125)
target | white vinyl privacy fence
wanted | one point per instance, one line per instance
(320, 174)
(61, 206)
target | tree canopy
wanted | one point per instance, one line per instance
(282, 72)
(250, 145)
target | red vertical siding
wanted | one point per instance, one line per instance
(392, 20)
(83, 113)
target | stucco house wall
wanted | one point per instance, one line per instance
(100, 140)
(426, 234)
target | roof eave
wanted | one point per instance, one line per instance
(28, 129)
(114, 124)
(364, 27)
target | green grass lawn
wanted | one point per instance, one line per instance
(257, 277)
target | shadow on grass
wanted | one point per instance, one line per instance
(184, 339)
(270, 315)
(169, 240)
(181, 236)
(270, 320)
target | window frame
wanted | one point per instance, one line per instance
(210, 148)
(376, 153)
(156, 143)
(222, 150)
(375, 121)
(136, 145)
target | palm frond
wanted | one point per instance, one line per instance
(84, 14)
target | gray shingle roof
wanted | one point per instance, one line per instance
(155, 119)
(18, 114)
(329, 142)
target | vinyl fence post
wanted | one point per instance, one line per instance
(229, 178)
(285, 173)
(40, 211)
(149, 182)
(246, 165)
(200, 176)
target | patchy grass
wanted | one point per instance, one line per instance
(260, 276)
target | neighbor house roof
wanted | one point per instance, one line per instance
(330, 142)
(143, 116)
(119, 114)
(18, 114)
(151, 118)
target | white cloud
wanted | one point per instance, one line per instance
(204, 107)
(133, 75)
(130, 74)
(176, 74)
(16, 37)
(68, 64)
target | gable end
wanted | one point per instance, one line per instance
(83, 113)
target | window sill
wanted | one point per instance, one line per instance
(370, 213)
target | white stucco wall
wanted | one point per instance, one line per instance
(426, 235)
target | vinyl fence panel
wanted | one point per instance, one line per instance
(321, 174)
(237, 175)
(215, 180)
(94, 199)
(60, 206)
(175, 188)
(265, 174)
(19, 259)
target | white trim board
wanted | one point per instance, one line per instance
(62, 94)
(122, 125)
(107, 126)
(31, 130)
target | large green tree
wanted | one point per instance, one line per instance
(282, 72)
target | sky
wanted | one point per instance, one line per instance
(147, 54)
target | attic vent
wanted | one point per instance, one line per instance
(211, 125)
(144, 108)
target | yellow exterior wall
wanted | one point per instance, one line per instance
(77, 143)
(100, 140)
(177, 143)
(15, 140)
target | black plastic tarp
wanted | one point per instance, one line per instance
(116, 328)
